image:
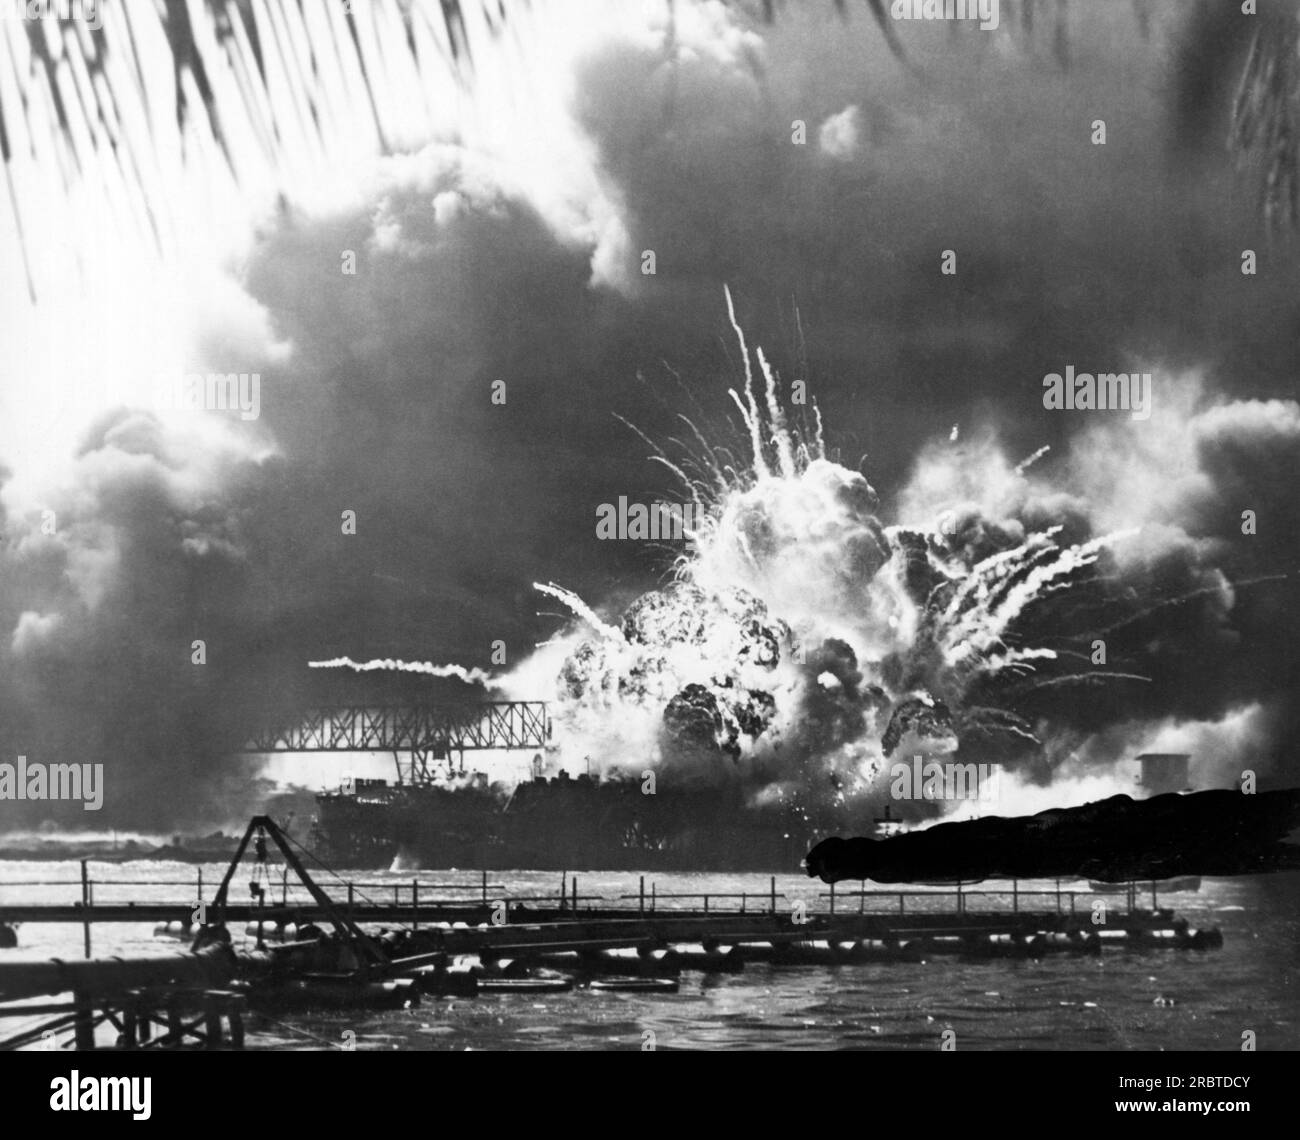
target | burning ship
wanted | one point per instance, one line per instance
(436, 815)
(553, 823)
(564, 822)
(800, 644)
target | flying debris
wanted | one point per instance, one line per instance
(804, 639)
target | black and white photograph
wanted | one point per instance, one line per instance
(639, 526)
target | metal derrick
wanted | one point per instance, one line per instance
(424, 731)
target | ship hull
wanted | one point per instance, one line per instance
(554, 825)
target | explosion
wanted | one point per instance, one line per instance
(802, 642)
(803, 645)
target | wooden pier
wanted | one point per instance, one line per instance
(484, 919)
(360, 950)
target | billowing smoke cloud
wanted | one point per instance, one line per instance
(809, 645)
(474, 268)
(1197, 598)
(125, 597)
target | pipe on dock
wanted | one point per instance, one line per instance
(211, 965)
(444, 979)
(459, 978)
(622, 961)
(875, 950)
(427, 978)
(183, 930)
(812, 953)
(709, 959)
(271, 931)
(316, 993)
(756, 951)
(915, 950)
(505, 967)
(661, 957)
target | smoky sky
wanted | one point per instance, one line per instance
(1111, 258)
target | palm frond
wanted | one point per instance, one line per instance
(262, 93)
(1264, 117)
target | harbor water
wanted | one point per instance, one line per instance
(1123, 999)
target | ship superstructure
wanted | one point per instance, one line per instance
(435, 814)
(554, 823)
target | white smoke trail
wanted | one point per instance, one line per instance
(749, 409)
(579, 607)
(392, 665)
(1025, 464)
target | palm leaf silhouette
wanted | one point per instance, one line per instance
(271, 91)
(265, 95)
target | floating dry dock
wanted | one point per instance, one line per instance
(324, 952)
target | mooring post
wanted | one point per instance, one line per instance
(415, 904)
(284, 886)
(862, 897)
(832, 898)
(485, 888)
(1015, 896)
(85, 910)
(200, 871)
(235, 1018)
(654, 889)
(575, 896)
(83, 1018)
(772, 889)
(564, 889)
(130, 1023)
(641, 896)
(1154, 901)
(212, 1019)
(1058, 896)
(350, 885)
